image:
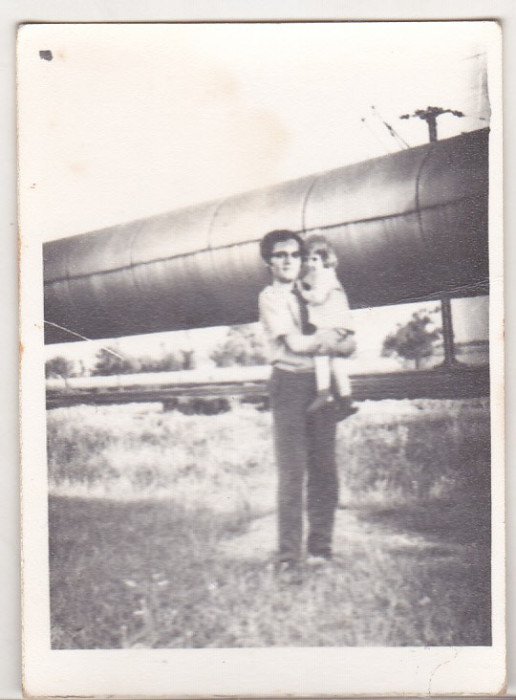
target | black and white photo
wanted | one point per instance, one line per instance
(262, 374)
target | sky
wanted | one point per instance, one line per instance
(127, 121)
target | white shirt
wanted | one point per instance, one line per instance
(280, 316)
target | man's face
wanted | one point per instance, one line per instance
(285, 262)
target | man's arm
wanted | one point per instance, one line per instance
(302, 344)
(320, 343)
(278, 323)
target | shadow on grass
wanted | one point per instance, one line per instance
(456, 555)
(442, 521)
(151, 574)
(115, 567)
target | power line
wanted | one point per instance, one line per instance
(83, 337)
(392, 131)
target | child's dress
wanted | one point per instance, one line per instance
(328, 308)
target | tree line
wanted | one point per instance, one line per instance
(244, 345)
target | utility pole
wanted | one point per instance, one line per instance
(429, 115)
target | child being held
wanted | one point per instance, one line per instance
(328, 308)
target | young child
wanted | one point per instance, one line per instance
(328, 308)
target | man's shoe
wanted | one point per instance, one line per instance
(317, 561)
(288, 573)
(318, 556)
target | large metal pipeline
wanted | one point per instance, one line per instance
(408, 226)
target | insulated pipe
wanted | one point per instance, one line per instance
(408, 226)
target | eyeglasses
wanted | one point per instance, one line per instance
(283, 255)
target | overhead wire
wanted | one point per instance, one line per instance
(83, 337)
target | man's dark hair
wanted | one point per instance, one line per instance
(279, 236)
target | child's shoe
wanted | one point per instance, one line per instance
(344, 408)
(324, 398)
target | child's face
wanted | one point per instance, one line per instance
(314, 262)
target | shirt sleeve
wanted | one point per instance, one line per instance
(276, 316)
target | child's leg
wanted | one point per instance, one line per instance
(339, 371)
(323, 383)
(344, 406)
(322, 372)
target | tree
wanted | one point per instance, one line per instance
(59, 366)
(169, 362)
(244, 345)
(414, 341)
(109, 362)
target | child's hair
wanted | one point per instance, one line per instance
(317, 244)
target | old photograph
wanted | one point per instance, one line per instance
(262, 384)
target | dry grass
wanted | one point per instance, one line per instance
(162, 530)
(137, 452)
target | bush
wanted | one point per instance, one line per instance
(198, 406)
(59, 367)
(244, 345)
(110, 362)
(426, 449)
(390, 452)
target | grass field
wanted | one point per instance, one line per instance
(162, 530)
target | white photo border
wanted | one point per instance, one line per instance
(165, 673)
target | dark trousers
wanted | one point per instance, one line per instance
(305, 445)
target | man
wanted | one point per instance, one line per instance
(304, 442)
